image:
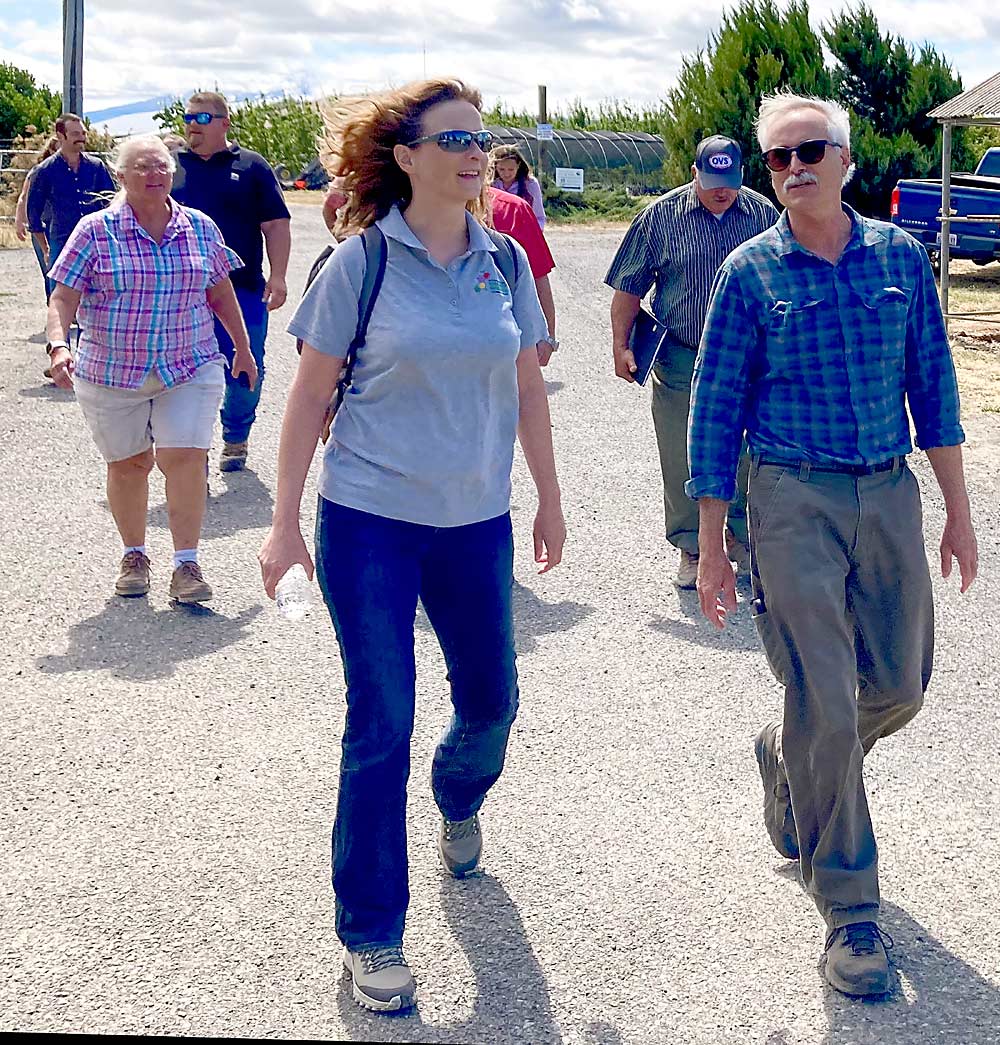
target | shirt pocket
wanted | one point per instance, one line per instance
(885, 312)
(794, 337)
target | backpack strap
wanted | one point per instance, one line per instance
(321, 260)
(506, 257)
(376, 253)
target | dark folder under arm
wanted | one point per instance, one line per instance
(647, 337)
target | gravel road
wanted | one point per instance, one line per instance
(170, 776)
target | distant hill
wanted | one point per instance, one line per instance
(148, 106)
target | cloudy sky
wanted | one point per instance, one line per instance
(592, 49)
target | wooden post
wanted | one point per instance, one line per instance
(543, 117)
(945, 253)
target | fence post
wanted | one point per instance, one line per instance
(543, 117)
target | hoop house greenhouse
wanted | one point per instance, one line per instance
(597, 152)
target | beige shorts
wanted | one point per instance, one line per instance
(126, 421)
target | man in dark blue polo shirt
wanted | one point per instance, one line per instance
(69, 184)
(237, 189)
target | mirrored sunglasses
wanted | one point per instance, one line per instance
(457, 141)
(809, 152)
(202, 118)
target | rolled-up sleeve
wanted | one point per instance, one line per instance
(931, 384)
(718, 391)
(327, 315)
(633, 269)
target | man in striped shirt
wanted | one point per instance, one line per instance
(677, 244)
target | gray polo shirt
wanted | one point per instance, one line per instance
(426, 431)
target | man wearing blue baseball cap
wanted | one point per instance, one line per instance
(678, 243)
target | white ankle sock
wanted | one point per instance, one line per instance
(140, 548)
(185, 555)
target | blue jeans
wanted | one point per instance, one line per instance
(371, 571)
(55, 249)
(239, 406)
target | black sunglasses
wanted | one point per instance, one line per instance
(201, 118)
(457, 141)
(810, 152)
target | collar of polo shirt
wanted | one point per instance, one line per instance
(394, 226)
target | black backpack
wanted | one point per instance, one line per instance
(376, 252)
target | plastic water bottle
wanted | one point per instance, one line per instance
(293, 595)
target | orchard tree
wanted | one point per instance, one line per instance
(24, 103)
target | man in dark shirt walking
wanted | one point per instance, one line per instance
(678, 243)
(69, 184)
(824, 339)
(237, 189)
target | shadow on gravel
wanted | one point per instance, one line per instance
(551, 387)
(937, 997)
(134, 640)
(739, 633)
(532, 617)
(511, 1003)
(48, 391)
(245, 504)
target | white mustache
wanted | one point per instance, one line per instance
(804, 178)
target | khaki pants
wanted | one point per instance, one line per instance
(844, 610)
(670, 405)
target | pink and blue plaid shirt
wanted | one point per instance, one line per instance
(144, 306)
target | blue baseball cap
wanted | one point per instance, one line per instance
(719, 163)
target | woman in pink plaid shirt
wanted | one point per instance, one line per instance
(147, 276)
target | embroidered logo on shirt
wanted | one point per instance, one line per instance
(488, 282)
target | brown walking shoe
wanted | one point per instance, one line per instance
(738, 554)
(188, 585)
(856, 962)
(687, 571)
(778, 818)
(133, 575)
(233, 458)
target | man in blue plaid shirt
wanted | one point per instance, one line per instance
(821, 333)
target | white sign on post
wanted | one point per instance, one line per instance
(569, 179)
(544, 133)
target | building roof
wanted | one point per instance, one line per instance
(981, 102)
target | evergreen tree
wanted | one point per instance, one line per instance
(758, 49)
(889, 91)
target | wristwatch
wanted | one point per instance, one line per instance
(51, 346)
(553, 342)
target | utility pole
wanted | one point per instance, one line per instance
(72, 93)
(543, 117)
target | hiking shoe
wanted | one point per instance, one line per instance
(234, 457)
(133, 575)
(188, 585)
(460, 845)
(381, 979)
(687, 571)
(738, 554)
(778, 816)
(856, 962)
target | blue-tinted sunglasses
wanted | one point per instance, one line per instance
(457, 141)
(201, 118)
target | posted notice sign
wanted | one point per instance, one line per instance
(569, 179)
(543, 132)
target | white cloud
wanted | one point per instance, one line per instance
(591, 49)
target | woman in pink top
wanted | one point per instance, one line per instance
(509, 171)
(148, 276)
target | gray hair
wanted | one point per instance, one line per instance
(126, 149)
(781, 103)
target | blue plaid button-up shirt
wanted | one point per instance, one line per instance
(817, 361)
